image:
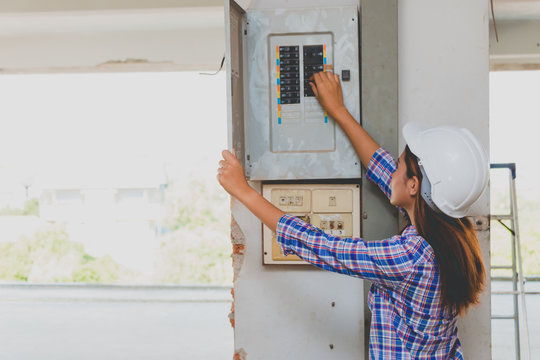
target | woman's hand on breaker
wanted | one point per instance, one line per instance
(327, 89)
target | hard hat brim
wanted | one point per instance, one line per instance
(412, 133)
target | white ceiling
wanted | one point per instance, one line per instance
(516, 9)
(66, 35)
(111, 35)
(10, 6)
(61, 22)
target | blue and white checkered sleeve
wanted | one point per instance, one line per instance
(386, 261)
(380, 169)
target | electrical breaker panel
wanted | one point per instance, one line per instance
(296, 112)
(334, 209)
(288, 135)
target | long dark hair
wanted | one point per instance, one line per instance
(456, 248)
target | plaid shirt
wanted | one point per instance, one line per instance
(407, 321)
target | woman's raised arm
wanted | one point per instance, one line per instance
(327, 89)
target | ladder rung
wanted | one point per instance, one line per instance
(505, 292)
(502, 317)
(509, 278)
(501, 267)
(502, 217)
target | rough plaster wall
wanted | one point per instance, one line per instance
(444, 79)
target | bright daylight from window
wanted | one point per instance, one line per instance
(110, 178)
(514, 116)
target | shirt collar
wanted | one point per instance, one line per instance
(409, 231)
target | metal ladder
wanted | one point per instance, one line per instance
(518, 282)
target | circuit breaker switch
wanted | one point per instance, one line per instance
(332, 201)
(292, 201)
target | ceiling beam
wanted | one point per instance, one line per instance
(518, 47)
(10, 6)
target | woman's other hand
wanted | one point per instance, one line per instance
(231, 174)
(327, 89)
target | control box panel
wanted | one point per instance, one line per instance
(333, 208)
(295, 110)
(288, 135)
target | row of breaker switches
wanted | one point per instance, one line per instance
(313, 63)
(291, 200)
(289, 71)
(289, 74)
(331, 225)
(299, 200)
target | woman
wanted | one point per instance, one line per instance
(431, 272)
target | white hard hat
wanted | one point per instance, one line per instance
(454, 163)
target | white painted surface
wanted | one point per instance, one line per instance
(112, 40)
(444, 79)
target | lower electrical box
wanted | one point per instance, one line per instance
(333, 208)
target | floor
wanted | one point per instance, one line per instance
(164, 323)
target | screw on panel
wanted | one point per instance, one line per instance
(333, 304)
(364, 215)
(331, 346)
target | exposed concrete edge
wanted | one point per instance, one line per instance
(238, 241)
(240, 354)
(513, 67)
(119, 67)
(112, 293)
